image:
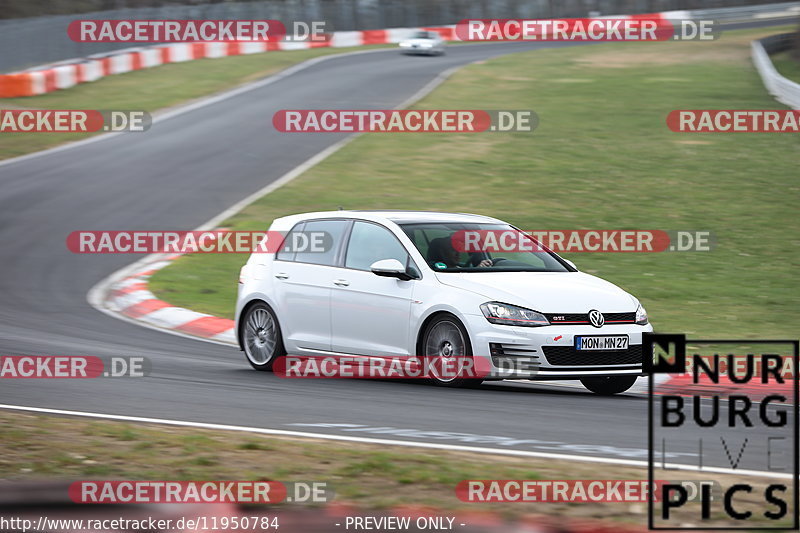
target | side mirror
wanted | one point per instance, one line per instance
(390, 268)
(570, 263)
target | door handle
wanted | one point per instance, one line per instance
(341, 282)
(281, 275)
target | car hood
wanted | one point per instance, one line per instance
(547, 292)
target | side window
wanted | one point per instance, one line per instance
(419, 239)
(322, 239)
(286, 253)
(369, 243)
(434, 245)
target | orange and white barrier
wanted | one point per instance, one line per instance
(45, 79)
(49, 78)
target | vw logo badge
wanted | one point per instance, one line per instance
(596, 318)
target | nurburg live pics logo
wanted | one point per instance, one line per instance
(742, 404)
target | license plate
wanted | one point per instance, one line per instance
(599, 343)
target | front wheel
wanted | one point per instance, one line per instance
(261, 337)
(607, 386)
(448, 354)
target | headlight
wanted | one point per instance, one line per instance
(405, 44)
(641, 316)
(511, 315)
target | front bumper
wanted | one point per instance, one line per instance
(512, 352)
(419, 50)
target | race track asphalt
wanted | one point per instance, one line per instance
(178, 175)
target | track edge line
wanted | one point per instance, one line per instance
(388, 442)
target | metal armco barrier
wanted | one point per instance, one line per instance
(784, 90)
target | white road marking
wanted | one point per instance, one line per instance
(390, 442)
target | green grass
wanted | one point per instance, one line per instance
(150, 90)
(375, 476)
(602, 157)
(365, 475)
(786, 65)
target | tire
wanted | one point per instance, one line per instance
(261, 337)
(608, 386)
(446, 338)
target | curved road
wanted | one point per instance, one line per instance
(181, 173)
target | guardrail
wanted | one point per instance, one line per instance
(784, 90)
(742, 13)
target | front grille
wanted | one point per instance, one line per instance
(569, 356)
(618, 318)
(568, 318)
(577, 319)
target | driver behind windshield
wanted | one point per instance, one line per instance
(441, 250)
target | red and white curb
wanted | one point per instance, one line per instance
(131, 298)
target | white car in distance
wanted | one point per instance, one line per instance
(423, 42)
(391, 284)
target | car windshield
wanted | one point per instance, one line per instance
(422, 35)
(459, 247)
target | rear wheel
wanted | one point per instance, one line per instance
(448, 354)
(261, 337)
(606, 386)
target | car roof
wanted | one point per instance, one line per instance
(398, 217)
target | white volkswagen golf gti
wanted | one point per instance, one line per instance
(392, 284)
